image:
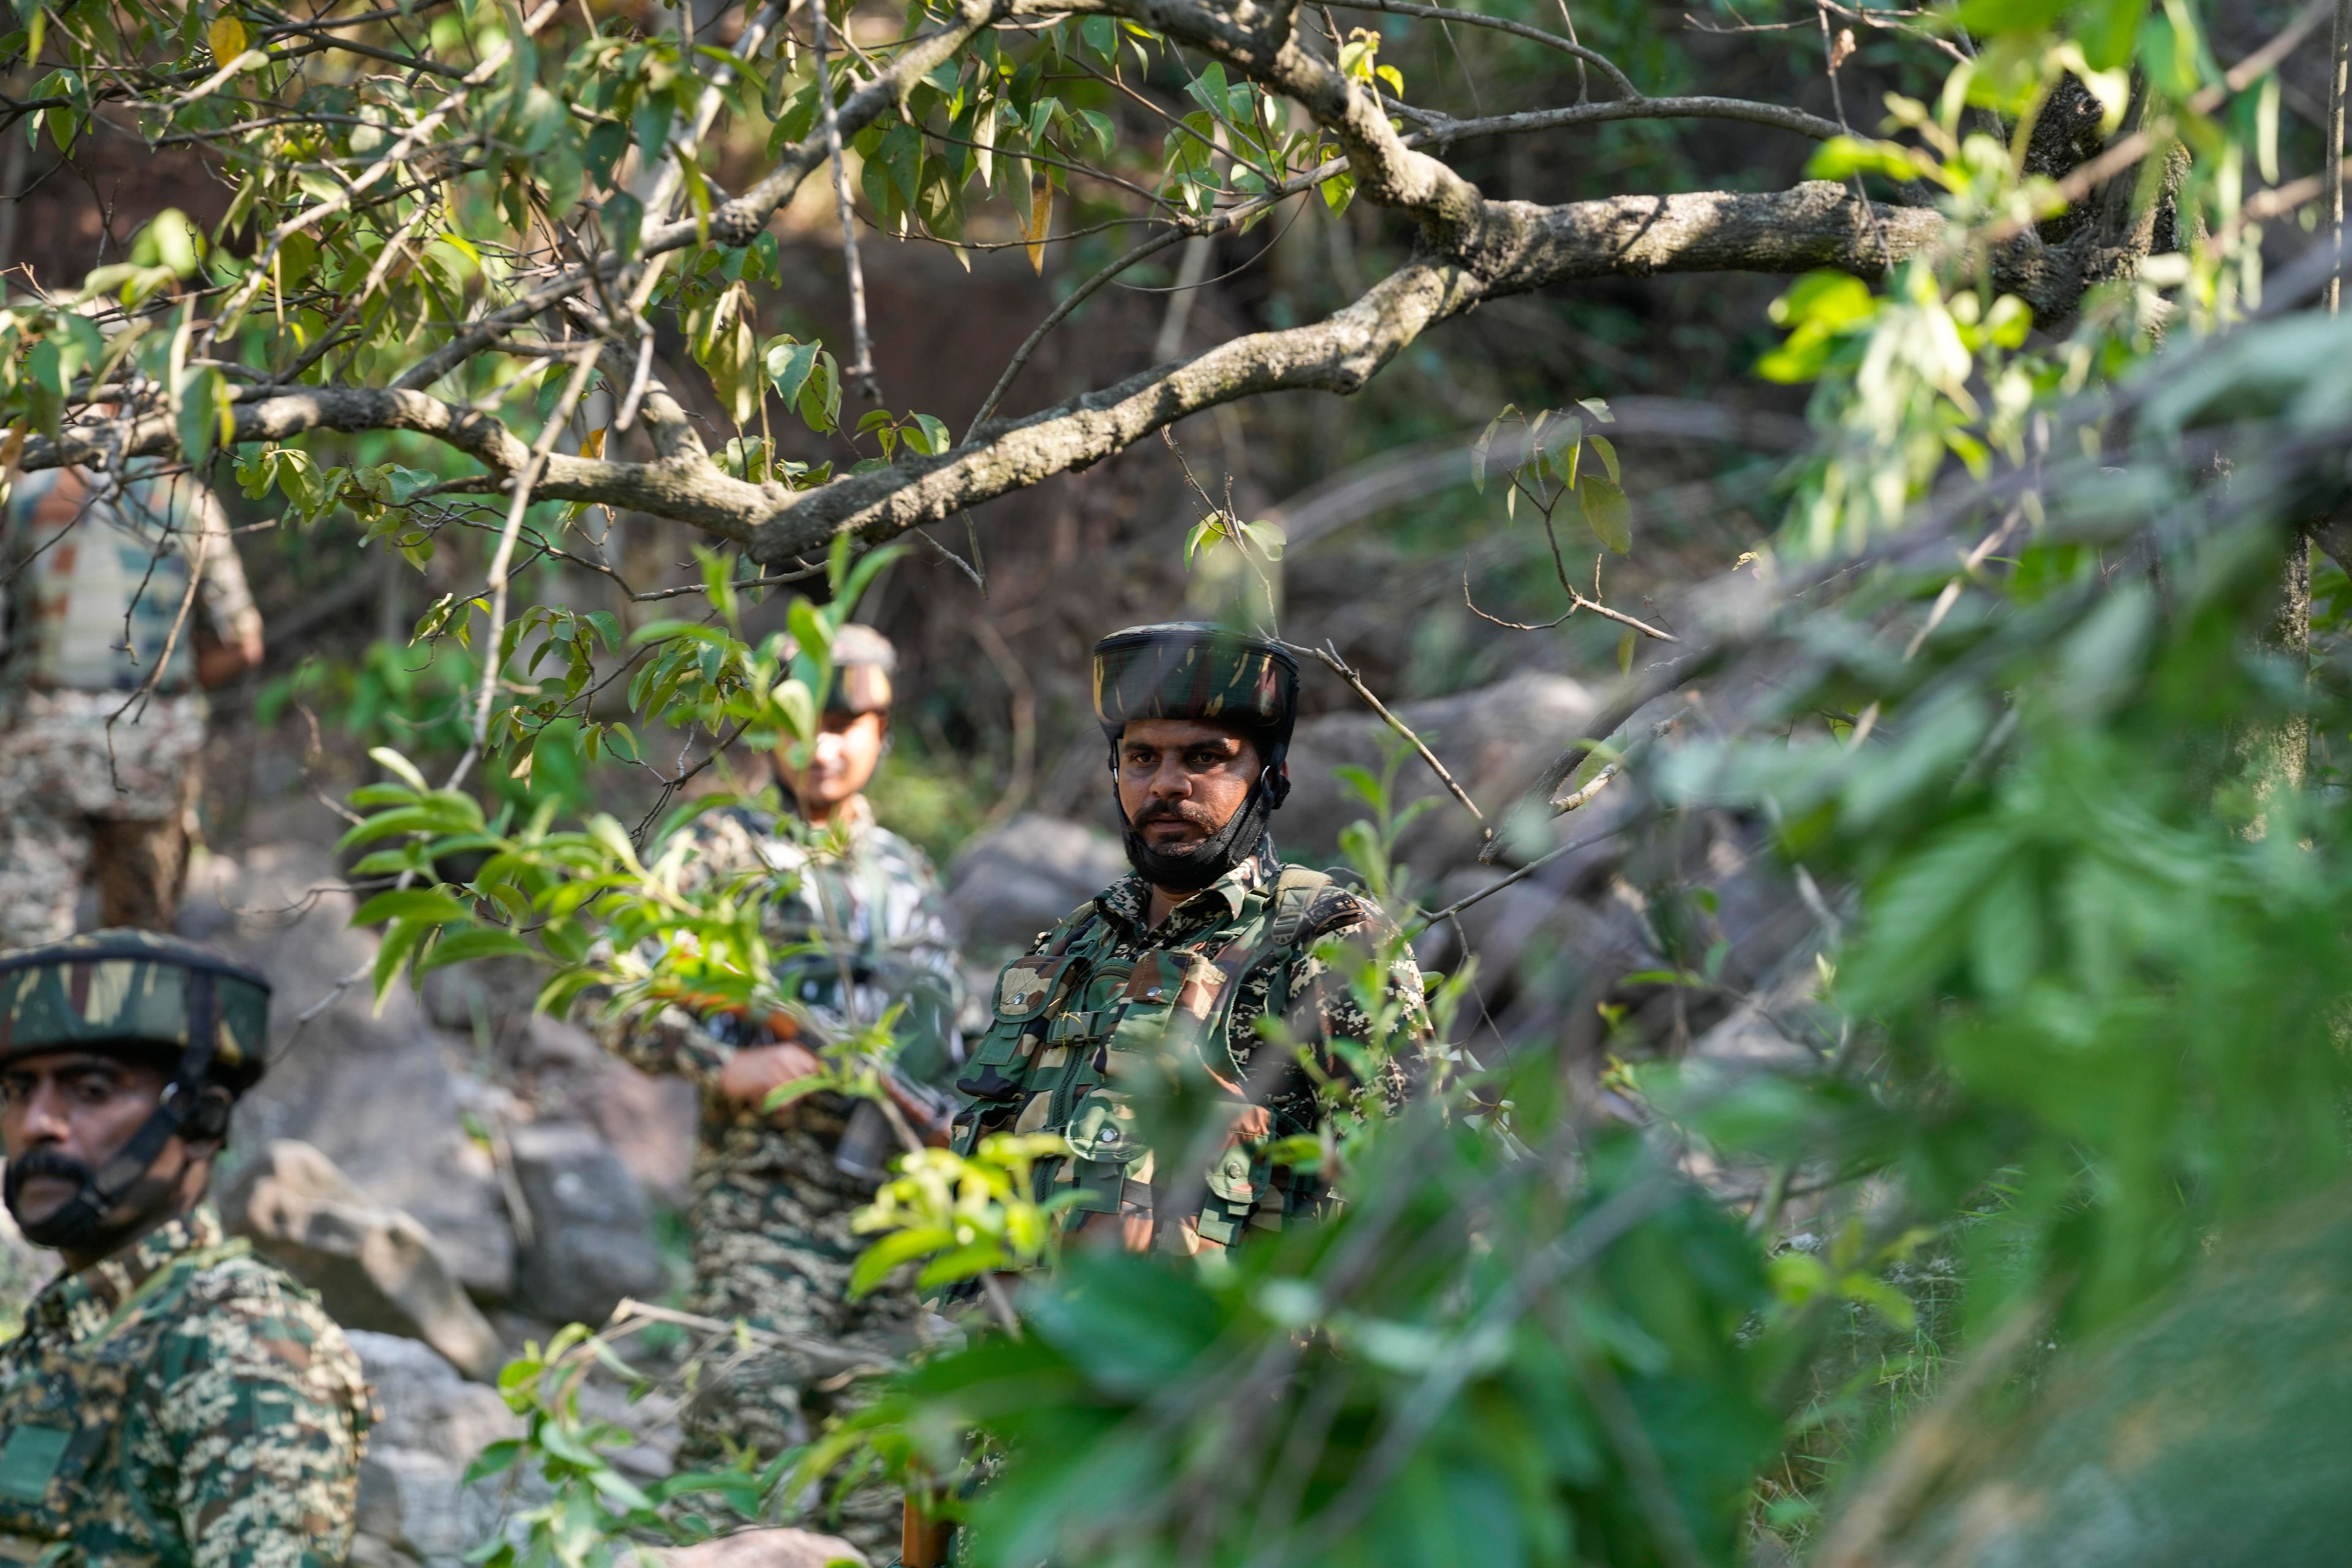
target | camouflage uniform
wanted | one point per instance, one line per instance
(770, 1221)
(1100, 998)
(75, 795)
(179, 1400)
(182, 1402)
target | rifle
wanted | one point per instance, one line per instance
(869, 1140)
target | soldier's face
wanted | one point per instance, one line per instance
(841, 760)
(69, 1108)
(1179, 779)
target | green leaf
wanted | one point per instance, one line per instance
(624, 223)
(391, 956)
(429, 905)
(1268, 537)
(2106, 30)
(1607, 512)
(810, 633)
(1601, 444)
(1843, 157)
(788, 364)
(1988, 17)
(928, 434)
(199, 418)
(392, 762)
(482, 942)
(494, 1460)
(897, 1248)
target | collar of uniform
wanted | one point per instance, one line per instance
(81, 1304)
(1128, 900)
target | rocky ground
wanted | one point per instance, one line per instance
(457, 1175)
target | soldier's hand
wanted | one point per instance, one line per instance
(750, 1076)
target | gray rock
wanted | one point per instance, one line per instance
(1011, 882)
(1494, 740)
(764, 1549)
(592, 1240)
(412, 1506)
(649, 1122)
(370, 1088)
(375, 1268)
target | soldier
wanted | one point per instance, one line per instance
(109, 585)
(173, 1398)
(773, 1192)
(1177, 964)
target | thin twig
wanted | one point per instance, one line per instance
(557, 418)
(1519, 29)
(2340, 62)
(1345, 671)
(1521, 875)
(862, 371)
(1078, 296)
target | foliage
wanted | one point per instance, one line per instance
(1998, 715)
(587, 1512)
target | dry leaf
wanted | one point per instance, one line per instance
(594, 447)
(1041, 213)
(228, 38)
(1842, 51)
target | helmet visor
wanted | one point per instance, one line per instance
(1184, 672)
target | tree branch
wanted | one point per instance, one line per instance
(1816, 225)
(684, 485)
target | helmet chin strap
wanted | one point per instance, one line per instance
(82, 1218)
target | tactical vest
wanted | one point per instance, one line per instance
(1064, 1012)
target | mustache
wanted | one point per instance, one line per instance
(1174, 811)
(38, 1162)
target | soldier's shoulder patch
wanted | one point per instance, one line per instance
(1336, 909)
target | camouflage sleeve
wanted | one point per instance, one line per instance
(666, 1041)
(264, 1410)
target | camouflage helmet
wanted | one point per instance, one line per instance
(123, 987)
(1190, 669)
(863, 663)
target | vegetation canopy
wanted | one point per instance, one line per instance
(2002, 792)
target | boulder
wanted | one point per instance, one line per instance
(412, 1505)
(1494, 740)
(592, 1235)
(764, 1549)
(650, 1122)
(375, 1268)
(369, 1087)
(1011, 882)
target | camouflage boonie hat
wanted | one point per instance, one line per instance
(122, 986)
(1190, 669)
